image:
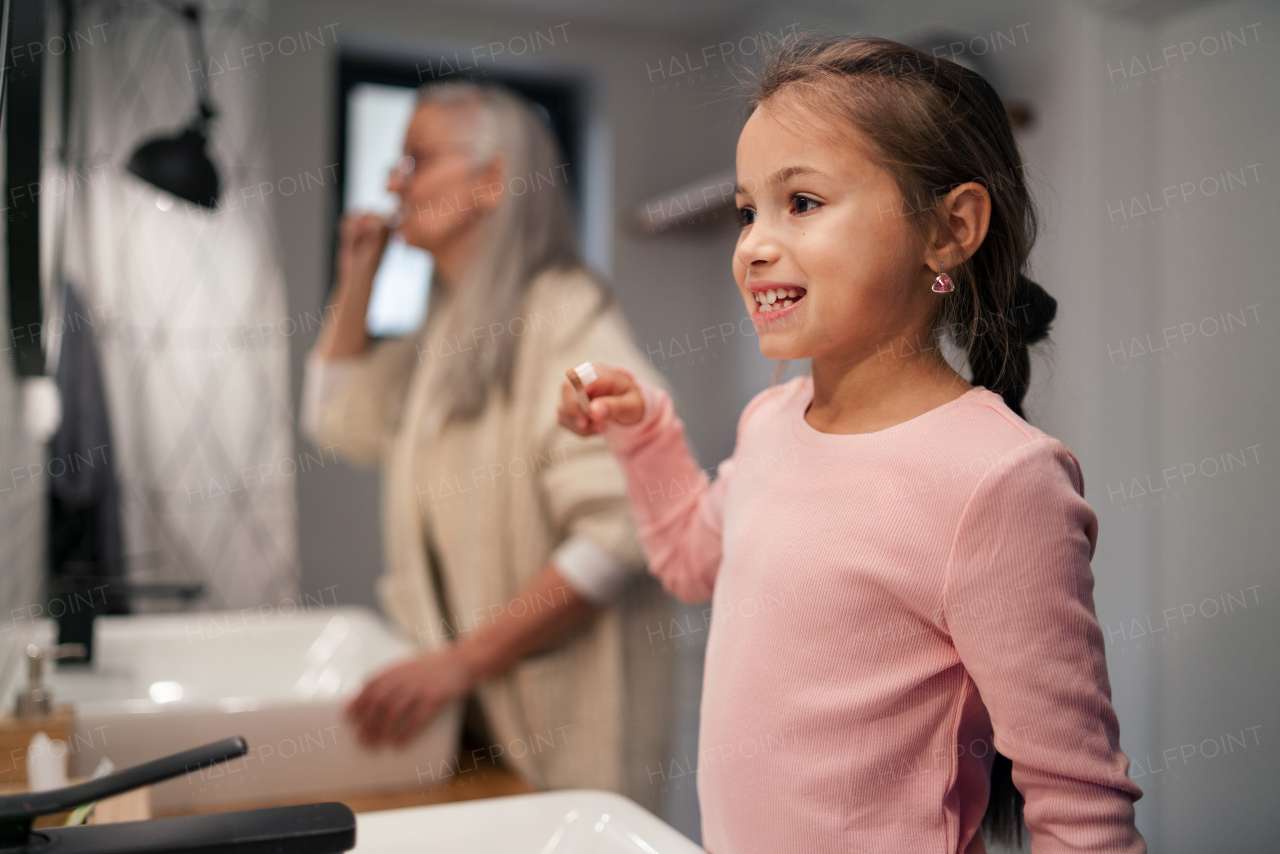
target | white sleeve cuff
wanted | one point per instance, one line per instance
(590, 570)
(320, 380)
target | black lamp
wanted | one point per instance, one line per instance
(180, 164)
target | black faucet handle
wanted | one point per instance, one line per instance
(326, 828)
(61, 650)
(37, 655)
(17, 812)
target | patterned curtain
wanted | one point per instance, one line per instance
(188, 305)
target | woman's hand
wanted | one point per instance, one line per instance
(614, 397)
(397, 703)
(362, 239)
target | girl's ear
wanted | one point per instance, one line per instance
(963, 218)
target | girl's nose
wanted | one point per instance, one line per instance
(758, 246)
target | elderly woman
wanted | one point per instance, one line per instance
(512, 555)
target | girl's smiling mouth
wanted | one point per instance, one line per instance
(774, 300)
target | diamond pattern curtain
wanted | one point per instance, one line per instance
(188, 306)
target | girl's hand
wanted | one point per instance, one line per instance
(614, 397)
(397, 703)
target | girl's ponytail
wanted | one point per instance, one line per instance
(1002, 363)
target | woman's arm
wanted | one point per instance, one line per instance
(352, 393)
(398, 702)
(1018, 603)
(321, 380)
(493, 648)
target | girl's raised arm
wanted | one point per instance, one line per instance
(676, 508)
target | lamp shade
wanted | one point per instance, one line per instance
(179, 165)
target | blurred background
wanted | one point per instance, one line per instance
(1150, 130)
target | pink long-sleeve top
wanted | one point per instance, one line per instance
(887, 608)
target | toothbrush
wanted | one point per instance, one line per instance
(80, 815)
(580, 377)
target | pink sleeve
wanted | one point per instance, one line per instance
(677, 510)
(1018, 603)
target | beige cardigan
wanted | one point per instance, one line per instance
(496, 495)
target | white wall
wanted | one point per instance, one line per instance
(1216, 538)
(1185, 568)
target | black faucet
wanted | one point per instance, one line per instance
(325, 828)
(75, 600)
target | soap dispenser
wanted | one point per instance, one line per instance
(37, 700)
(33, 712)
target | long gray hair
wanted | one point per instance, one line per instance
(530, 230)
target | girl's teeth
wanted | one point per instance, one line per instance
(777, 298)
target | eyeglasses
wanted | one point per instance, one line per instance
(407, 165)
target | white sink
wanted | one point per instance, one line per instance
(573, 821)
(164, 683)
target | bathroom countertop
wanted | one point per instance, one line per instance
(487, 781)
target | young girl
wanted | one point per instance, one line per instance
(898, 563)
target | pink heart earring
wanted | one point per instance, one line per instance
(942, 284)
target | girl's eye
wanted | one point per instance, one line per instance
(799, 204)
(746, 216)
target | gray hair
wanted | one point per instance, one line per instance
(525, 234)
